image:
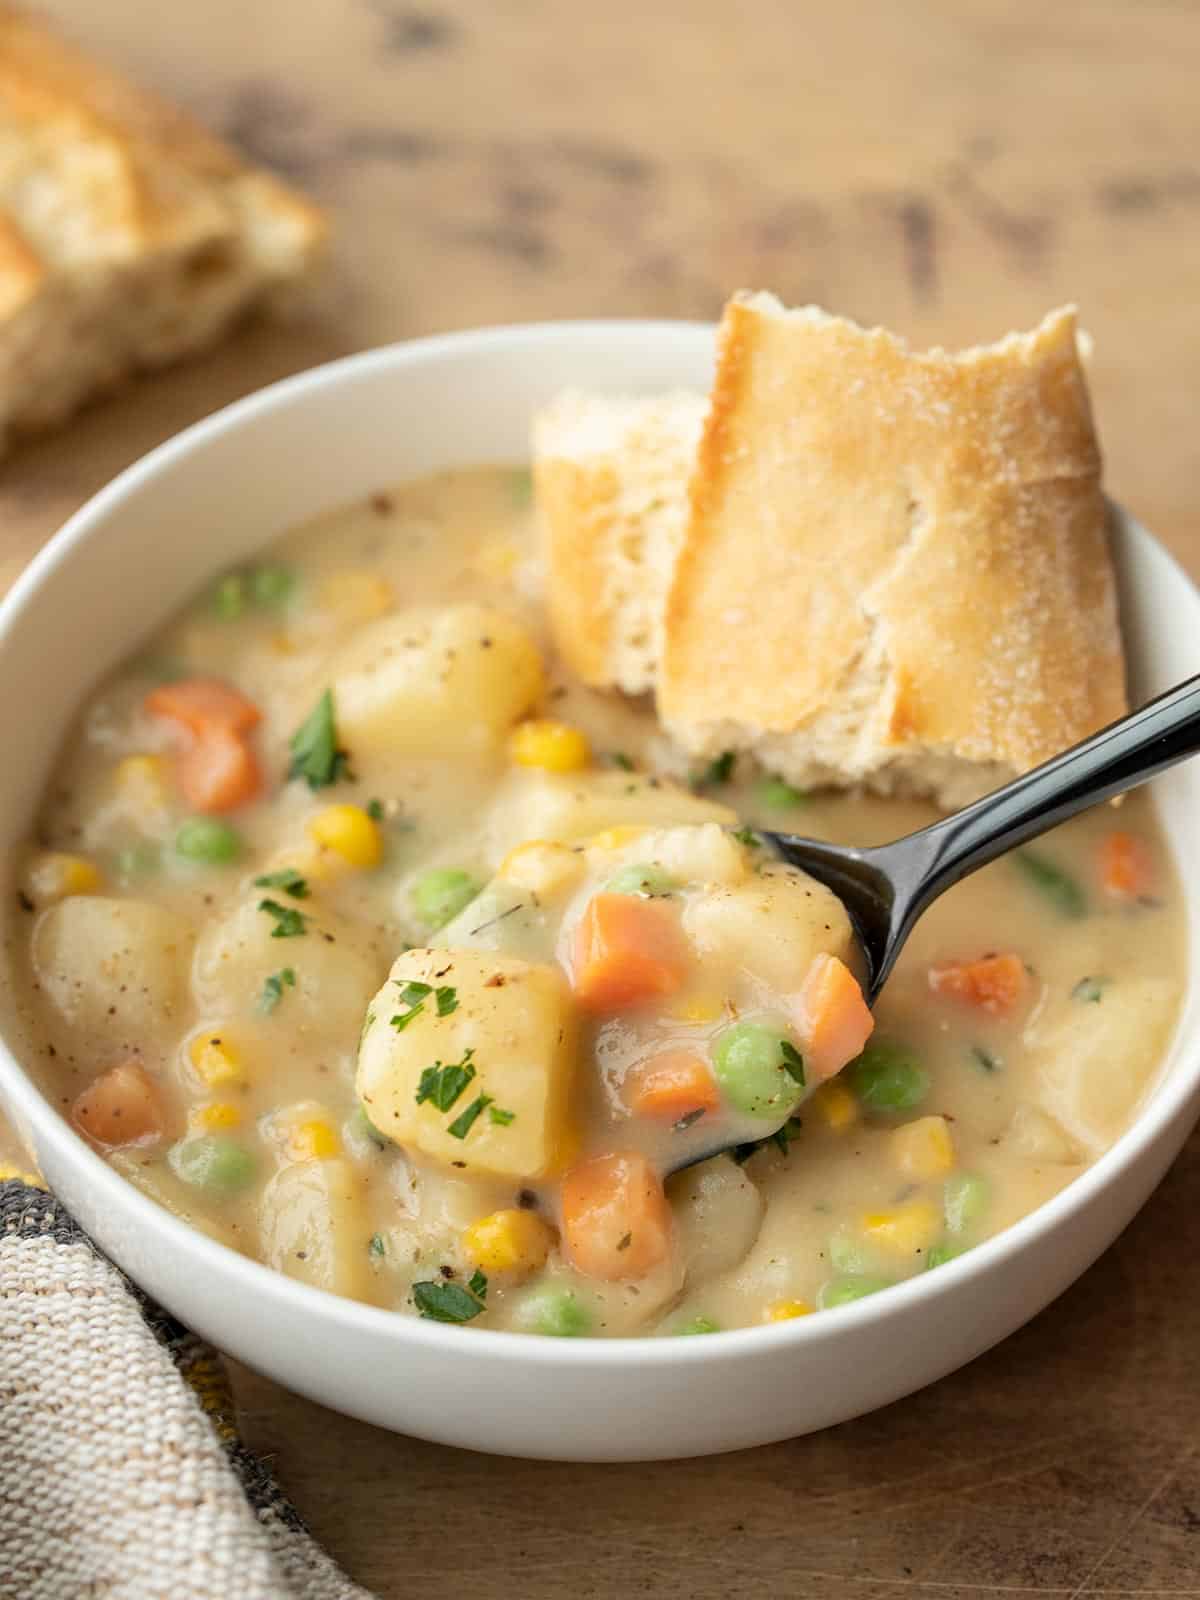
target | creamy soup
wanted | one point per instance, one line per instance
(361, 938)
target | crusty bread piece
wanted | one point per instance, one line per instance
(611, 478)
(129, 236)
(896, 570)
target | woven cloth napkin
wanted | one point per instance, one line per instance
(123, 1474)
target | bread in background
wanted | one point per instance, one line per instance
(129, 236)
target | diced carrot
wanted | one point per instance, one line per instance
(627, 950)
(833, 1019)
(203, 704)
(1126, 870)
(671, 1085)
(995, 983)
(616, 1220)
(123, 1106)
(219, 772)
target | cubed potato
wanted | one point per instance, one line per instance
(435, 681)
(1034, 1135)
(511, 1021)
(570, 808)
(314, 1227)
(704, 853)
(1093, 1062)
(770, 927)
(718, 1212)
(113, 970)
(334, 980)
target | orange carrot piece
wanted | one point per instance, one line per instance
(202, 705)
(833, 1019)
(219, 772)
(671, 1085)
(123, 1106)
(996, 983)
(616, 1220)
(627, 951)
(1126, 870)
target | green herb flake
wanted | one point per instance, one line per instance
(315, 754)
(985, 1059)
(442, 1085)
(748, 837)
(477, 1283)
(447, 1000)
(229, 597)
(716, 772)
(289, 923)
(1090, 991)
(287, 879)
(374, 809)
(465, 1121)
(793, 1061)
(413, 995)
(618, 758)
(376, 1248)
(439, 1301)
(1057, 886)
(272, 989)
(501, 1118)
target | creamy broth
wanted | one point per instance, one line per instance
(221, 1016)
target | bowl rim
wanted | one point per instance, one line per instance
(253, 1278)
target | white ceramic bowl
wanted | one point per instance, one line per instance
(206, 500)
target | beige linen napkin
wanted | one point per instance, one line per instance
(124, 1477)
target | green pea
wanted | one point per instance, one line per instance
(777, 795)
(940, 1254)
(213, 1162)
(441, 894)
(138, 860)
(699, 1325)
(271, 586)
(644, 878)
(887, 1077)
(207, 839)
(964, 1200)
(229, 597)
(558, 1313)
(851, 1286)
(750, 1064)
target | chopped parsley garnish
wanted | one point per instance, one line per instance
(501, 1117)
(414, 995)
(477, 1284)
(377, 1247)
(1058, 887)
(748, 837)
(287, 879)
(442, 1085)
(272, 989)
(447, 1000)
(793, 1061)
(446, 1302)
(289, 923)
(315, 754)
(374, 809)
(984, 1058)
(466, 1120)
(718, 771)
(781, 1138)
(618, 758)
(1090, 990)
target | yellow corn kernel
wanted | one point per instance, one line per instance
(508, 1241)
(923, 1149)
(215, 1117)
(785, 1310)
(616, 838)
(836, 1106)
(313, 1140)
(701, 1006)
(556, 746)
(53, 875)
(357, 596)
(542, 867)
(497, 560)
(144, 781)
(350, 833)
(215, 1059)
(906, 1229)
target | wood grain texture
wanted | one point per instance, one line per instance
(950, 168)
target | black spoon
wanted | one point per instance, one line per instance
(886, 888)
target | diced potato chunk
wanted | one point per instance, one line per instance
(772, 926)
(696, 853)
(314, 1227)
(512, 1022)
(718, 1212)
(435, 681)
(113, 969)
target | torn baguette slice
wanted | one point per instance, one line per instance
(129, 235)
(895, 572)
(611, 478)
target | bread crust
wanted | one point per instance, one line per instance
(892, 556)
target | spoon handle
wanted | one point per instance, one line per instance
(1119, 757)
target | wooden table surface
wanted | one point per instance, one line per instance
(951, 168)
